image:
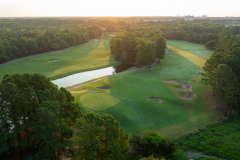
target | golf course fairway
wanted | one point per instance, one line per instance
(92, 55)
(128, 94)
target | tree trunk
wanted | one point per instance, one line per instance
(19, 147)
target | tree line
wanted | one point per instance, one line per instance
(37, 121)
(141, 42)
(23, 37)
(201, 32)
(138, 46)
(222, 70)
(20, 38)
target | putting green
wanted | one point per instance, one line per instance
(98, 101)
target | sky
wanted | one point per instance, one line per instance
(60, 8)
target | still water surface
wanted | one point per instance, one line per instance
(88, 75)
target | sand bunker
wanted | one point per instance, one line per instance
(53, 60)
(185, 87)
(187, 96)
(155, 99)
(96, 40)
(103, 87)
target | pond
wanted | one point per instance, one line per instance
(88, 75)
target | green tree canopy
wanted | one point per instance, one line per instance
(36, 117)
(99, 137)
(227, 88)
(149, 142)
(146, 52)
(222, 70)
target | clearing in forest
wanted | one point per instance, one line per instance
(175, 116)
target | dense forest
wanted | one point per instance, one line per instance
(24, 37)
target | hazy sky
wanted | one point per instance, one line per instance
(33, 8)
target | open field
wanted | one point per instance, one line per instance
(92, 55)
(174, 116)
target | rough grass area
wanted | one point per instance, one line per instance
(88, 56)
(220, 140)
(172, 118)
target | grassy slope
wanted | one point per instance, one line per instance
(89, 56)
(170, 118)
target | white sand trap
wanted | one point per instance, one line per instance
(54, 60)
(185, 87)
(155, 99)
(187, 96)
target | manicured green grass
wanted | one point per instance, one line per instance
(220, 140)
(171, 118)
(92, 55)
(196, 49)
(98, 101)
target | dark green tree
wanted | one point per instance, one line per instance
(23, 45)
(149, 142)
(227, 88)
(160, 47)
(3, 53)
(222, 70)
(36, 117)
(146, 52)
(32, 47)
(99, 137)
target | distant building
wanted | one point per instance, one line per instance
(204, 16)
(189, 18)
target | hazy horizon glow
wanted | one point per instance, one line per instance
(52, 8)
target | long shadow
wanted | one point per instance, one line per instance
(83, 51)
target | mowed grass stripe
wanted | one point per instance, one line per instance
(89, 56)
(199, 61)
(99, 56)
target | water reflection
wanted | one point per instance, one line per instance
(88, 75)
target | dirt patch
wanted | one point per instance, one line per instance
(58, 51)
(155, 99)
(103, 87)
(53, 60)
(185, 87)
(187, 96)
(96, 40)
